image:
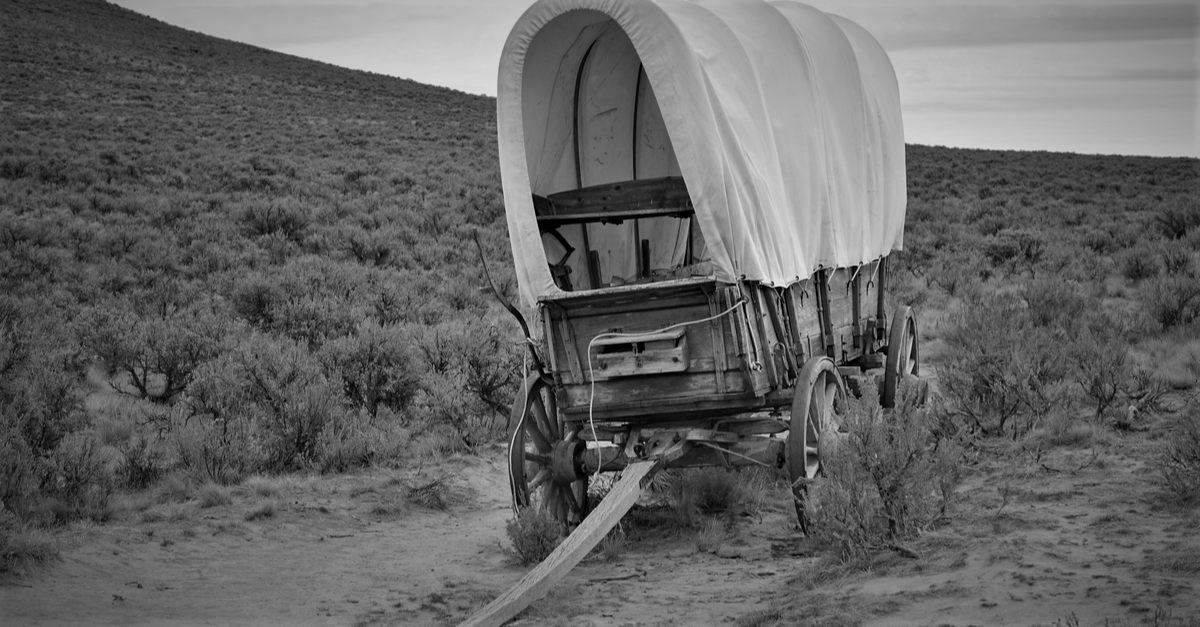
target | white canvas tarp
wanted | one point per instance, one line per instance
(784, 123)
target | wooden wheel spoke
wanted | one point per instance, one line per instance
(539, 479)
(831, 403)
(817, 406)
(548, 426)
(568, 497)
(539, 439)
(538, 458)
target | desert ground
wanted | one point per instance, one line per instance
(1072, 536)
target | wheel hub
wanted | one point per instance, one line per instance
(564, 461)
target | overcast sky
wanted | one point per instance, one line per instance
(1092, 76)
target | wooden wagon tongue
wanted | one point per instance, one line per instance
(599, 522)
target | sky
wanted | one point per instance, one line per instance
(1088, 76)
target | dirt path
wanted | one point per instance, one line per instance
(1031, 546)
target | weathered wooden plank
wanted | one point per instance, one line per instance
(589, 326)
(669, 356)
(717, 334)
(550, 337)
(651, 391)
(615, 202)
(621, 295)
(570, 349)
(538, 581)
(762, 326)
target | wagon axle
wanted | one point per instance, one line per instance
(681, 448)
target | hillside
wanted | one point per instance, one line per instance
(218, 262)
(170, 201)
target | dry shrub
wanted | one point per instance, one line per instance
(1002, 371)
(1138, 264)
(1179, 459)
(1173, 301)
(219, 448)
(1101, 364)
(356, 441)
(142, 461)
(261, 408)
(374, 366)
(891, 476)
(1178, 217)
(534, 533)
(80, 483)
(471, 374)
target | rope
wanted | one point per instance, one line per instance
(735, 454)
(592, 395)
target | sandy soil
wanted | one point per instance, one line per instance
(1073, 535)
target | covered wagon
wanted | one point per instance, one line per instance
(701, 200)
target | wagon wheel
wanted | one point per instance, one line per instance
(820, 397)
(903, 356)
(541, 453)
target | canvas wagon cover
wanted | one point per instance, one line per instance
(783, 121)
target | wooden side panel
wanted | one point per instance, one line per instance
(841, 313)
(870, 283)
(807, 320)
(710, 371)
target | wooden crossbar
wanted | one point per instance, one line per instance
(615, 202)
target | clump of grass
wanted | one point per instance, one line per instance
(213, 495)
(397, 496)
(267, 487)
(23, 549)
(265, 509)
(697, 493)
(1062, 429)
(770, 617)
(534, 534)
(1183, 561)
(708, 538)
(390, 505)
(114, 431)
(174, 488)
(613, 544)
(436, 495)
(169, 512)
